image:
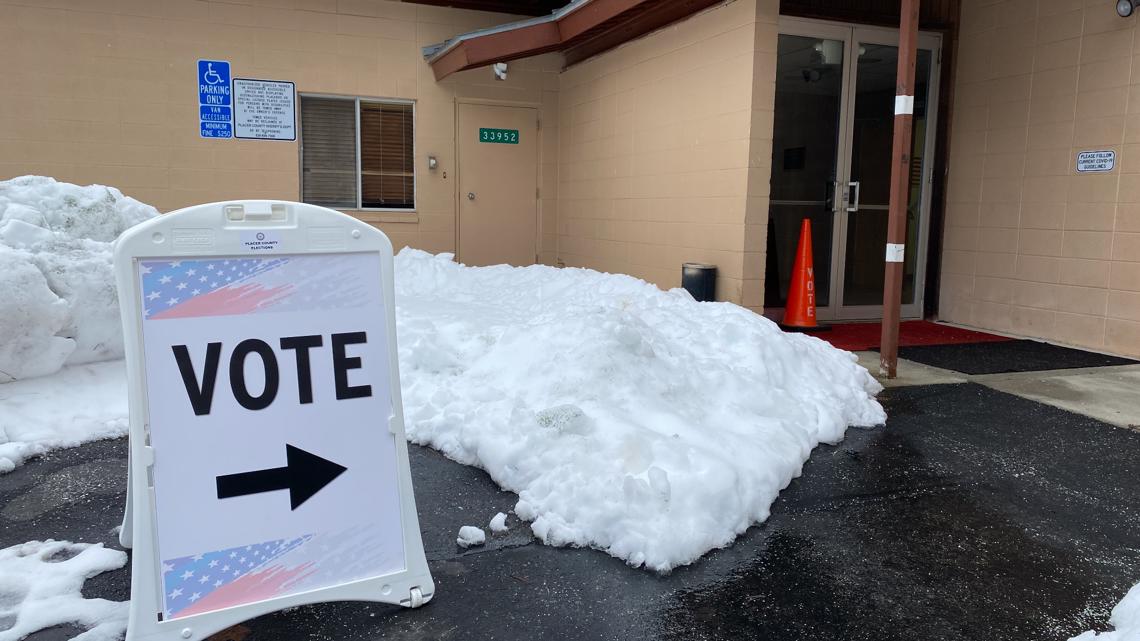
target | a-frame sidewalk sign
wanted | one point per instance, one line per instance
(268, 461)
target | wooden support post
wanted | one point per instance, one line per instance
(900, 189)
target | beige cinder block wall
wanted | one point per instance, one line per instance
(1031, 246)
(103, 91)
(665, 151)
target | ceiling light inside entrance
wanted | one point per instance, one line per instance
(829, 52)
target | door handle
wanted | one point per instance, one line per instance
(470, 195)
(853, 200)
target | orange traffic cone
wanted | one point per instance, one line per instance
(799, 313)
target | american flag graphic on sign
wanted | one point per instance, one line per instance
(211, 581)
(195, 288)
(245, 574)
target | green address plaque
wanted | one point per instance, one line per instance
(501, 136)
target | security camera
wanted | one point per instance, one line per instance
(500, 69)
(1124, 8)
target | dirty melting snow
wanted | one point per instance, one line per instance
(59, 315)
(1125, 618)
(78, 404)
(57, 289)
(470, 535)
(628, 419)
(40, 587)
(499, 522)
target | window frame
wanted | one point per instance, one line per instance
(356, 100)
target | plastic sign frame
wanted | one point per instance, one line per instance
(251, 231)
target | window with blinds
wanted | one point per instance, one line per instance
(346, 167)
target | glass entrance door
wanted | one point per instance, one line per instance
(808, 137)
(864, 218)
(831, 163)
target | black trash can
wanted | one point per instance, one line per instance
(699, 280)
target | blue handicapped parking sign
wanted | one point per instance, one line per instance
(215, 99)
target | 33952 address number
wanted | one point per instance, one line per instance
(502, 136)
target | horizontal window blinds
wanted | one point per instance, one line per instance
(387, 178)
(328, 152)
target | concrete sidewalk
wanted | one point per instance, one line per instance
(1109, 394)
(975, 514)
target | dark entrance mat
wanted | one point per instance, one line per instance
(1007, 356)
(973, 514)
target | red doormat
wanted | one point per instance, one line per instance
(857, 337)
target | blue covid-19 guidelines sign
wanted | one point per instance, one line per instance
(215, 99)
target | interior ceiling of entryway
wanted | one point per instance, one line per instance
(932, 14)
(877, 67)
(517, 7)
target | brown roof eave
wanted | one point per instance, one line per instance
(591, 15)
(581, 22)
(496, 47)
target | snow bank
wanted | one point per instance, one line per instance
(40, 585)
(57, 292)
(636, 421)
(1125, 618)
(80, 403)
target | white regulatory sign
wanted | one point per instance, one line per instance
(266, 424)
(1091, 161)
(895, 252)
(264, 109)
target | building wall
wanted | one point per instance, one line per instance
(103, 91)
(664, 151)
(1032, 247)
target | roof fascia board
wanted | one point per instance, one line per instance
(436, 51)
(591, 15)
(508, 45)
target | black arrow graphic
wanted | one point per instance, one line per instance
(303, 475)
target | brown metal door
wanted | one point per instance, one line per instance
(498, 185)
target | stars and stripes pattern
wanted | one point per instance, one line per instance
(211, 287)
(195, 288)
(205, 582)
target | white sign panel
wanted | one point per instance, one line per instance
(266, 426)
(1104, 160)
(265, 378)
(264, 109)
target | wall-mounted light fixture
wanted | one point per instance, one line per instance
(1124, 8)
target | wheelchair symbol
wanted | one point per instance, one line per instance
(211, 77)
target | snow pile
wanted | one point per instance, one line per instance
(626, 418)
(1125, 618)
(78, 404)
(57, 291)
(499, 523)
(40, 585)
(470, 535)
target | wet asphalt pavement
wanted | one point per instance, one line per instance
(973, 515)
